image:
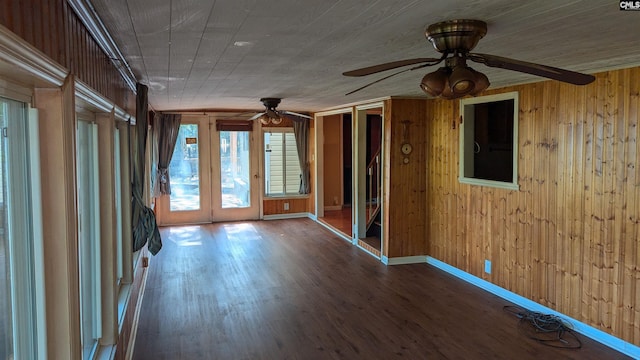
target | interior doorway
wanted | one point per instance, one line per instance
(368, 167)
(350, 161)
(334, 197)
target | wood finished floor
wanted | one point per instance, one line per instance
(290, 289)
(341, 221)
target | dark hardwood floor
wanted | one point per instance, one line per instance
(290, 289)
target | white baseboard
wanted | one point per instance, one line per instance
(285, 216)
(404, 260)
(338, 233)
(586, 330)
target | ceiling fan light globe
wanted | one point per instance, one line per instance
(462, 80)
(276, 120)
(482, 82)
(462, 87)
(264, 119)
(434, 82)
(447, 94)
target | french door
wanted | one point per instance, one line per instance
(235, 175)
(213, 175)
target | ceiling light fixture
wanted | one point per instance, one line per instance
(264, 119)
(270, 118)
(455, 80)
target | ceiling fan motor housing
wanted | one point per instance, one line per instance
(270, 103)
(456, 35)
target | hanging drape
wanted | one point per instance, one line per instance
(143, 221)
(301, 133)
(167, 126)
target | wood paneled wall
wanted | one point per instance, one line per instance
(332, 170)
(276, 206)
(53, 28)
(405, 183)
(569, 238)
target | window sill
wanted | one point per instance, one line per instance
(123, 301)
(286, 196)
(489, 183)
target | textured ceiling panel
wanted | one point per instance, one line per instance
(228, 54)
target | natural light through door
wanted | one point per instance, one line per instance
(235, 176)
(184, 171)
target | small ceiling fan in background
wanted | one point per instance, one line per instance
(455, 39)
(273, 116)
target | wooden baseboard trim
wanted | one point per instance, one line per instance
(586, 330)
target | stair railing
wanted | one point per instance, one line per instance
(373, 196)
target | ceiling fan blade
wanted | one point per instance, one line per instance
(550, 72)
(256, 116)
(377, 81)
(284, 112)
(394, 74)
(390, 65)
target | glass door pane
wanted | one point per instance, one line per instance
(235, 171)
(184, 172)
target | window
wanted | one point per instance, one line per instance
(21, 272)
(281, 164)
(89, 237)
(489, 141)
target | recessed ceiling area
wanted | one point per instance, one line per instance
(204, 54)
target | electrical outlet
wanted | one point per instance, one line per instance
(487, 266)
(286, 206)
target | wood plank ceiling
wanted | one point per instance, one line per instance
(197, 54)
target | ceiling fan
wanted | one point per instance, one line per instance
(455, 39)
(273, 116)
